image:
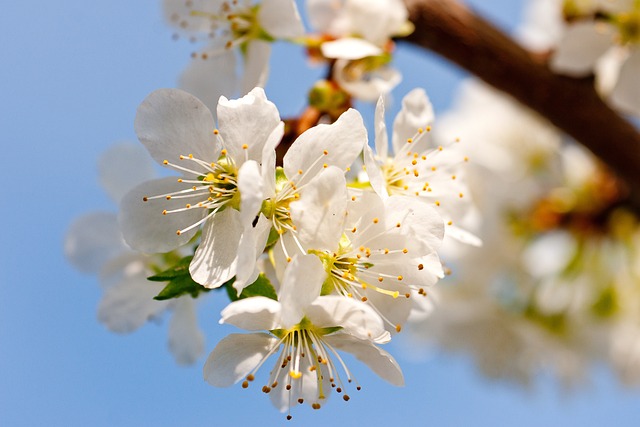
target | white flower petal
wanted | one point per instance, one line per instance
(280, 19)
(235, 356)
(320, 212)
(582, 45)
(252, 244)
(463, 236)
(371, 85)
(269, 161)
(251, 192)
(323, 13)
(418, 216)
(214, 262)
(416, 113)
(343, 141)
(127, 305)
(374, 173)
(378, 360)
(382, 138)
(376, 20)
(301, 285)
(92, 239)
(186, 340)
(122, 167)
(171, 122)
(209, 79)
(355, 317)
(256, 65)
(626, 94)
(143, 225)
(247, 122)
(349, 48)
(252, 314)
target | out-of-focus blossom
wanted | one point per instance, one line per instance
(94, 244)
(235, 27)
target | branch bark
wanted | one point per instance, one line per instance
(453, 31)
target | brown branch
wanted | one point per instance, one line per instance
(453, 31)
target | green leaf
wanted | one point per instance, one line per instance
(262, 287)
(181, 268)
(179, 286)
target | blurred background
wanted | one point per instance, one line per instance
(72, 76)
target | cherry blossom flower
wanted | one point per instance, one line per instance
(217, 166)
(605, 41)
(305, 331)
(359, 34)
(418, 168)
(242, 26)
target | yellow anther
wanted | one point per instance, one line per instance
(191, 156)
(409, 140)
(168, 197)
(145, 199)
(178, 232)
(353, 230)
(245, 146)
(324, 165)
(165, 162)
(400, 278)
(466, 159)
(164, 212)
(461, 195)
(414, 162)
(353, 198)
(428, 128)
(386, 251)
(223, 152)
(364, 299)
(380, 279)
(405, 250)
(245, 384)
(398, 328)
(433, 168)
(420, 266)
(187, 206)
(398, 225)
(440, 148)
(299, 171)
(295, 374)
(450, 223)
(375, 220)
(215, 132)
(325, 152)
(288, 259)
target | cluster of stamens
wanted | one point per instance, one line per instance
(306, 357)
(232, 21)
(214, 188)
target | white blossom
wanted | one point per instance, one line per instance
(304, 331)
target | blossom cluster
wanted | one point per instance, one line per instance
(316, 257)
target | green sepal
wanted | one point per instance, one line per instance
(179, 281)
(181, 268)
(262, 287)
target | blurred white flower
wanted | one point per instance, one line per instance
(231, 27)
(94, 244)
(606, 41)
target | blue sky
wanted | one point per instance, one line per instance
(72, 74)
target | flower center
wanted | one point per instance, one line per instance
(214, 189)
